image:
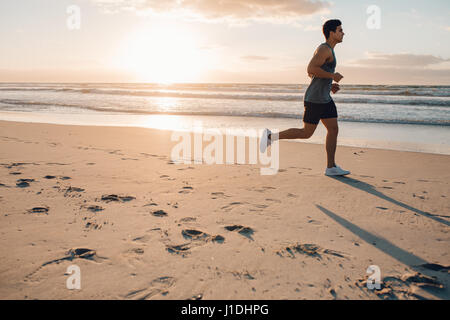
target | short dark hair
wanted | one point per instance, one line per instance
(330, 25)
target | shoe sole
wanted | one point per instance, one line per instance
(263, 145)
(342, 174)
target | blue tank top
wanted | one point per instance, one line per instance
(319, 89)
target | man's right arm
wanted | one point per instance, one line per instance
(320, 57)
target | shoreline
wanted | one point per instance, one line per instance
(396, 137)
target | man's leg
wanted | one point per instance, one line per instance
(332, 127)
(295, 133)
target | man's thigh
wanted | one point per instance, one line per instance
(331, 124)
(309, 128)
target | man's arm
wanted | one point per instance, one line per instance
(320, 57)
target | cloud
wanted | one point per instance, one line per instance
(276, 11)
(400, 60)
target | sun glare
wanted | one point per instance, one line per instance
(163, 54)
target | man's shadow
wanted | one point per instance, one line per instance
(397, 253)
(370, 189)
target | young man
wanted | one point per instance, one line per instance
(317, 100)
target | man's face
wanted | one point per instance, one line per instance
(339, 34)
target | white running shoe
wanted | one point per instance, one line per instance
(336, 171)
(265, 141)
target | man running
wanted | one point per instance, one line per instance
(317, 100)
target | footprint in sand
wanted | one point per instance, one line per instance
(116, 198)
(142, 239)
(408, 286)
(166, 177)
(157, 286)
(149, 155)
(230, 206)
(68, 192)
(217, 195)
(150, 204)
(245, 231)
(138, 251)
(115, 152)
(186, 168)
(260, 206)
(23, 183)
(133, 255)
(57, 164)
(71, 254)
(196, 235)
(263, 189)
(314, 222)
(241, 275)
(43, 210)
(274, 200)
(310, 250)
(186, 189)
(163, 234)
(93, 225)
(159, 213)
(82, 253)
(196, 238)
(191, 234)
(94, 208)
(182, 249)
(188, 219)
(14, 164)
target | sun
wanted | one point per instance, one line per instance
(163, 54)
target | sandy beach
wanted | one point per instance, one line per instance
(139, 226)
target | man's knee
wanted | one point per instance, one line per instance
(334, 130)
(309, 133)
(308, 129)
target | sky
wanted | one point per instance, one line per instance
(386, 42)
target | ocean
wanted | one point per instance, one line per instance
(399, 117)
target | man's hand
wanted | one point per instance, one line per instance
(335, 87)
(337, 76)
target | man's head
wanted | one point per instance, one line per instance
(333, 29)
